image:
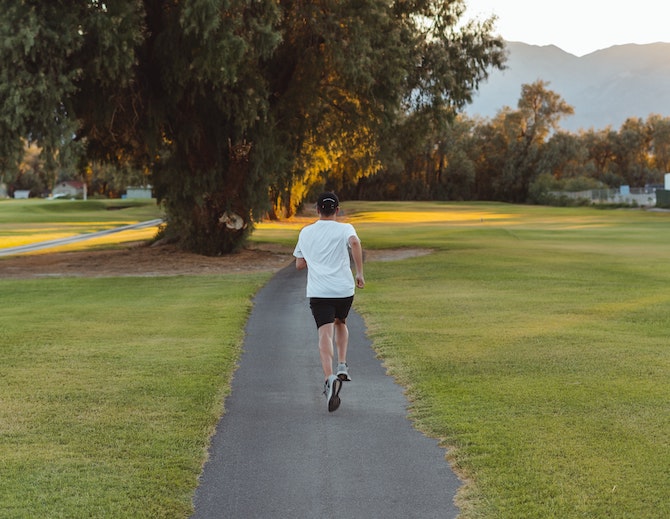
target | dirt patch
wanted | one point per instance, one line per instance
(165, 260)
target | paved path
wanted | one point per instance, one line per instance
(31, 247)
(278, 453)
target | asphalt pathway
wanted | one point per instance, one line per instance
(278, 452)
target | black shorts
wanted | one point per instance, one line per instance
(326, 309)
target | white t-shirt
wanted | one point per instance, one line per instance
(325, 247)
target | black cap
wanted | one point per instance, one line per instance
(327, 202)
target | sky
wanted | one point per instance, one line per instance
(576, 26)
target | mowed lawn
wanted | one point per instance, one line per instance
(532, 342)
(110, 390)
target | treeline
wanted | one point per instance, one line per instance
(521, 156)
(233, 110)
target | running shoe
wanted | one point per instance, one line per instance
(343, 372)
(331, 390)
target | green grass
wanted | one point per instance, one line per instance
(110, 390)
(533, 342)
(66, 211)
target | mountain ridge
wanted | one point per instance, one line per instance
(605, 87)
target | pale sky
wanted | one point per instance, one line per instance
(576, 26)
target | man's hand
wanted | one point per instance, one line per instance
(360, 281)
(300, 263)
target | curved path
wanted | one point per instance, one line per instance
(278, 452)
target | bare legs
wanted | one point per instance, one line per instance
(338, 333)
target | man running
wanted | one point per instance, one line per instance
(323, 249)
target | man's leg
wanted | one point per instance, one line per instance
(342, 340)
(326, 332)
(333, 384)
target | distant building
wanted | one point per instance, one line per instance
(138, 192)
(69, 188)
(22, 193)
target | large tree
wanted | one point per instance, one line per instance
(511, 145)
(233, 104)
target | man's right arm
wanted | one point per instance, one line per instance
(300, 262)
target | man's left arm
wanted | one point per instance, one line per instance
(357, 255)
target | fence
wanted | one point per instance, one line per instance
(632, 196)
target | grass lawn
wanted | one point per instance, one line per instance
(110, 390)
(532, 342)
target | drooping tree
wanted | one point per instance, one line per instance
(443, 68)
(174, 87)
(194, 93)
(36, 77)
(232, 105)
(338, 67)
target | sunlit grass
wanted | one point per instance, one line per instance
(118, 238)
(24, 222)
(536, 349)
(27, 235)
(423, 217)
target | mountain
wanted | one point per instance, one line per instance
(605, 87)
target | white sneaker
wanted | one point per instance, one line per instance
(343, 372)
(331, 389)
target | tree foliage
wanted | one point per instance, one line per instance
(521, 154)
(234, 107)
